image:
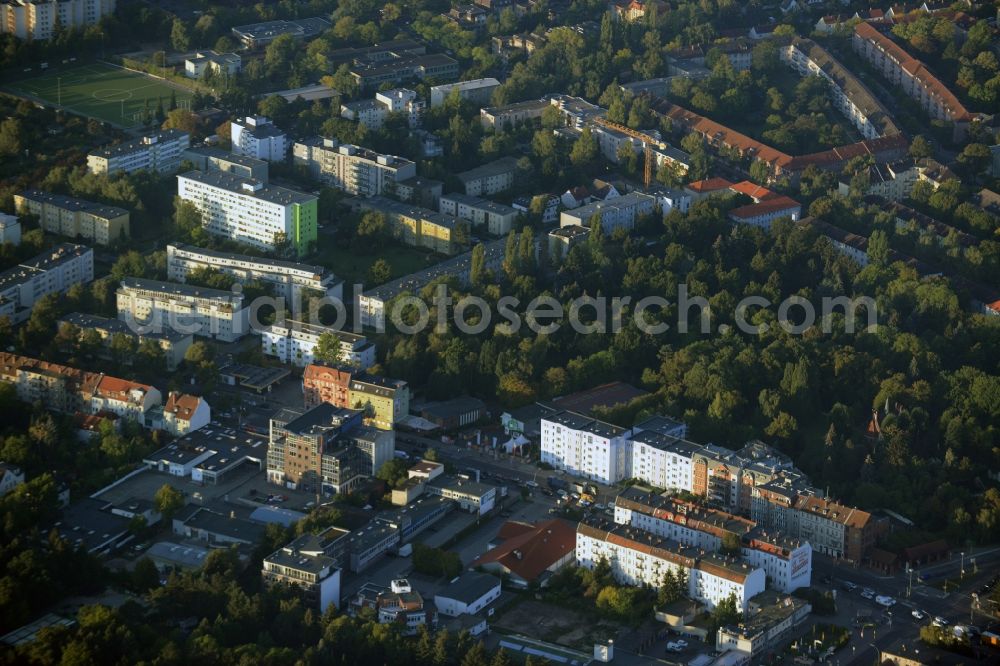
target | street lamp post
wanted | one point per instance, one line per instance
(961, 571)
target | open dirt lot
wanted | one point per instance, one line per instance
(556, 624)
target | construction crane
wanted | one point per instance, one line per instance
(647, 143)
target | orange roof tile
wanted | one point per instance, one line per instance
(709, 185)
(770, 206)
(753, 190)
(530, 553)
(916, 69)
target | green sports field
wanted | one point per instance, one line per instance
(104, 92)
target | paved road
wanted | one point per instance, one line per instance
(954, 605)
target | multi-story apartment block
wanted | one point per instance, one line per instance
(583, 446)
(160, 152)
(51, 272)
(620, 212)
(787, 562)
(32, 20)
(638, 557)
(351, 168)
(209, 158)
(184, 413)
(372, 303)
(152, 305)
(248, 211)
(370, 74)
(835, 529)
(563, 239)
(69, 390)
(210, 61)
(173, 344)
(497, 219)
(424, 192)
(372, 113)
(661, 456)
(295, 342)
(289, 280)
(418, 226)
(325, 449)
(305, 564)
(75, 218)
(10, 229)
(851, 97)
(258, 137)
(902, 69)
(892, 181)
(384, 401)
(490, 178)
(767, 211)
(477, 91)
(508, 116)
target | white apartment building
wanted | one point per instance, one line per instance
(638, 557)
(38, 19)
(848, 93)
(351, 168)
(10, 229)
(490, 178)
(305, 564)
(156, 305)
(184, 413)
(294, 342)
(497, 219)
(662, 461)
(372, 302)
(258, 137)
(786, 562)
(160, 152)
(174, 345)
(75, 218)
(210, 158)
(290, 280)
(620, 212)
(123, 397)
(661, 457)
(51, 272)
(264, 216)
(372, 113)
(476, 91)
(585, 447)
(210, 61)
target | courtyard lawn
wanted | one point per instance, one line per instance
(104, 92)
(353, 267)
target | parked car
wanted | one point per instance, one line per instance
(917, 615)
(599, 507)
(868, 593)
(884, 600)
(562, 493)
(849, 586)
(680, 641)
(940, 621)
(674, 647)
(531, 484)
